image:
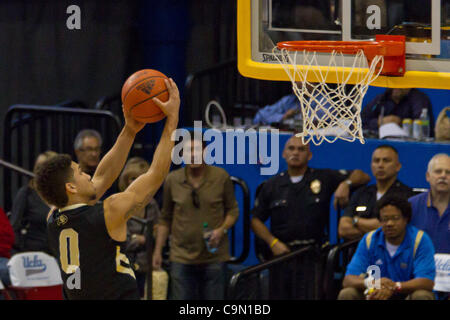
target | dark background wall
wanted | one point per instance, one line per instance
(43, 62)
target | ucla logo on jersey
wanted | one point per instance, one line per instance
(62, 220)
(315, 186)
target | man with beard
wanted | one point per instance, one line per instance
(360, 217)
(298, 203)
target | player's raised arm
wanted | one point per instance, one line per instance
(112, 163)
(120, 207)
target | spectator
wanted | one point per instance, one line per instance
(88, 147)
(136, 232)
(6, 243)
(29, 214)
(285, 108)
(360, 216)
(393, 106)
(193, 195)
(298, 203)
(403, 253)
(431, 210)
(289, 107)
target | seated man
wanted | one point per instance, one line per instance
(285, 108)
(289, 107)
(360, 217)
(394, 105)
(403, 254)
(431, 210)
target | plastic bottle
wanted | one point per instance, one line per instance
(425, 124)
(407, 127)
(206, 235)
(417, 129)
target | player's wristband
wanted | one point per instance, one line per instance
(273, 243)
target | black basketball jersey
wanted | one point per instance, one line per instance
(93, 266)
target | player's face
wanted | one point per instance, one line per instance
(89, 153)
(392, 222)
(385, 164)
(85, 186)
(439, 176)
(296, 153)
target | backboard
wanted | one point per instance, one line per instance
(425, 23)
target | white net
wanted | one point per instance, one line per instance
(329, 111)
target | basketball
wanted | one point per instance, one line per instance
(138, 91)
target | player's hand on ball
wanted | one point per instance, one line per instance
(172, 106)
(131, 123)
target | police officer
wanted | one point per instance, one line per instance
(298, 203)
(360, 215)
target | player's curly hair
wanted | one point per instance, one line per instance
(51, 178)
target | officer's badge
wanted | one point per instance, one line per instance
(62, 219)
(316, 186)
(256, 202)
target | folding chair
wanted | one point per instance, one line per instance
(34, 276)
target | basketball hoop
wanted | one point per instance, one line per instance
(330, 112)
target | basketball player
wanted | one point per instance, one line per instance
(87, 237)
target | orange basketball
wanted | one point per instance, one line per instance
(138, 91)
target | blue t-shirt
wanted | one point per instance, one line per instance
(426, 217)
(402, 266)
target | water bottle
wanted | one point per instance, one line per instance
(207, 231)
(425, 124)
(417, 129)
(407, 127)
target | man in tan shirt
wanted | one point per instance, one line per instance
(195, 195)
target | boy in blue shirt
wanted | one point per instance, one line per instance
(403, 254)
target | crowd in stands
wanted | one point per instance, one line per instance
(400, 232)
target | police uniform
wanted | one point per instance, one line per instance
(93, 266)
(299, 214)
(300, 211)
(364, 200)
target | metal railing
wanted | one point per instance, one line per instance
(245, 225)
(239, 96)
(239, 282)
(337, 260)
(30, 129)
